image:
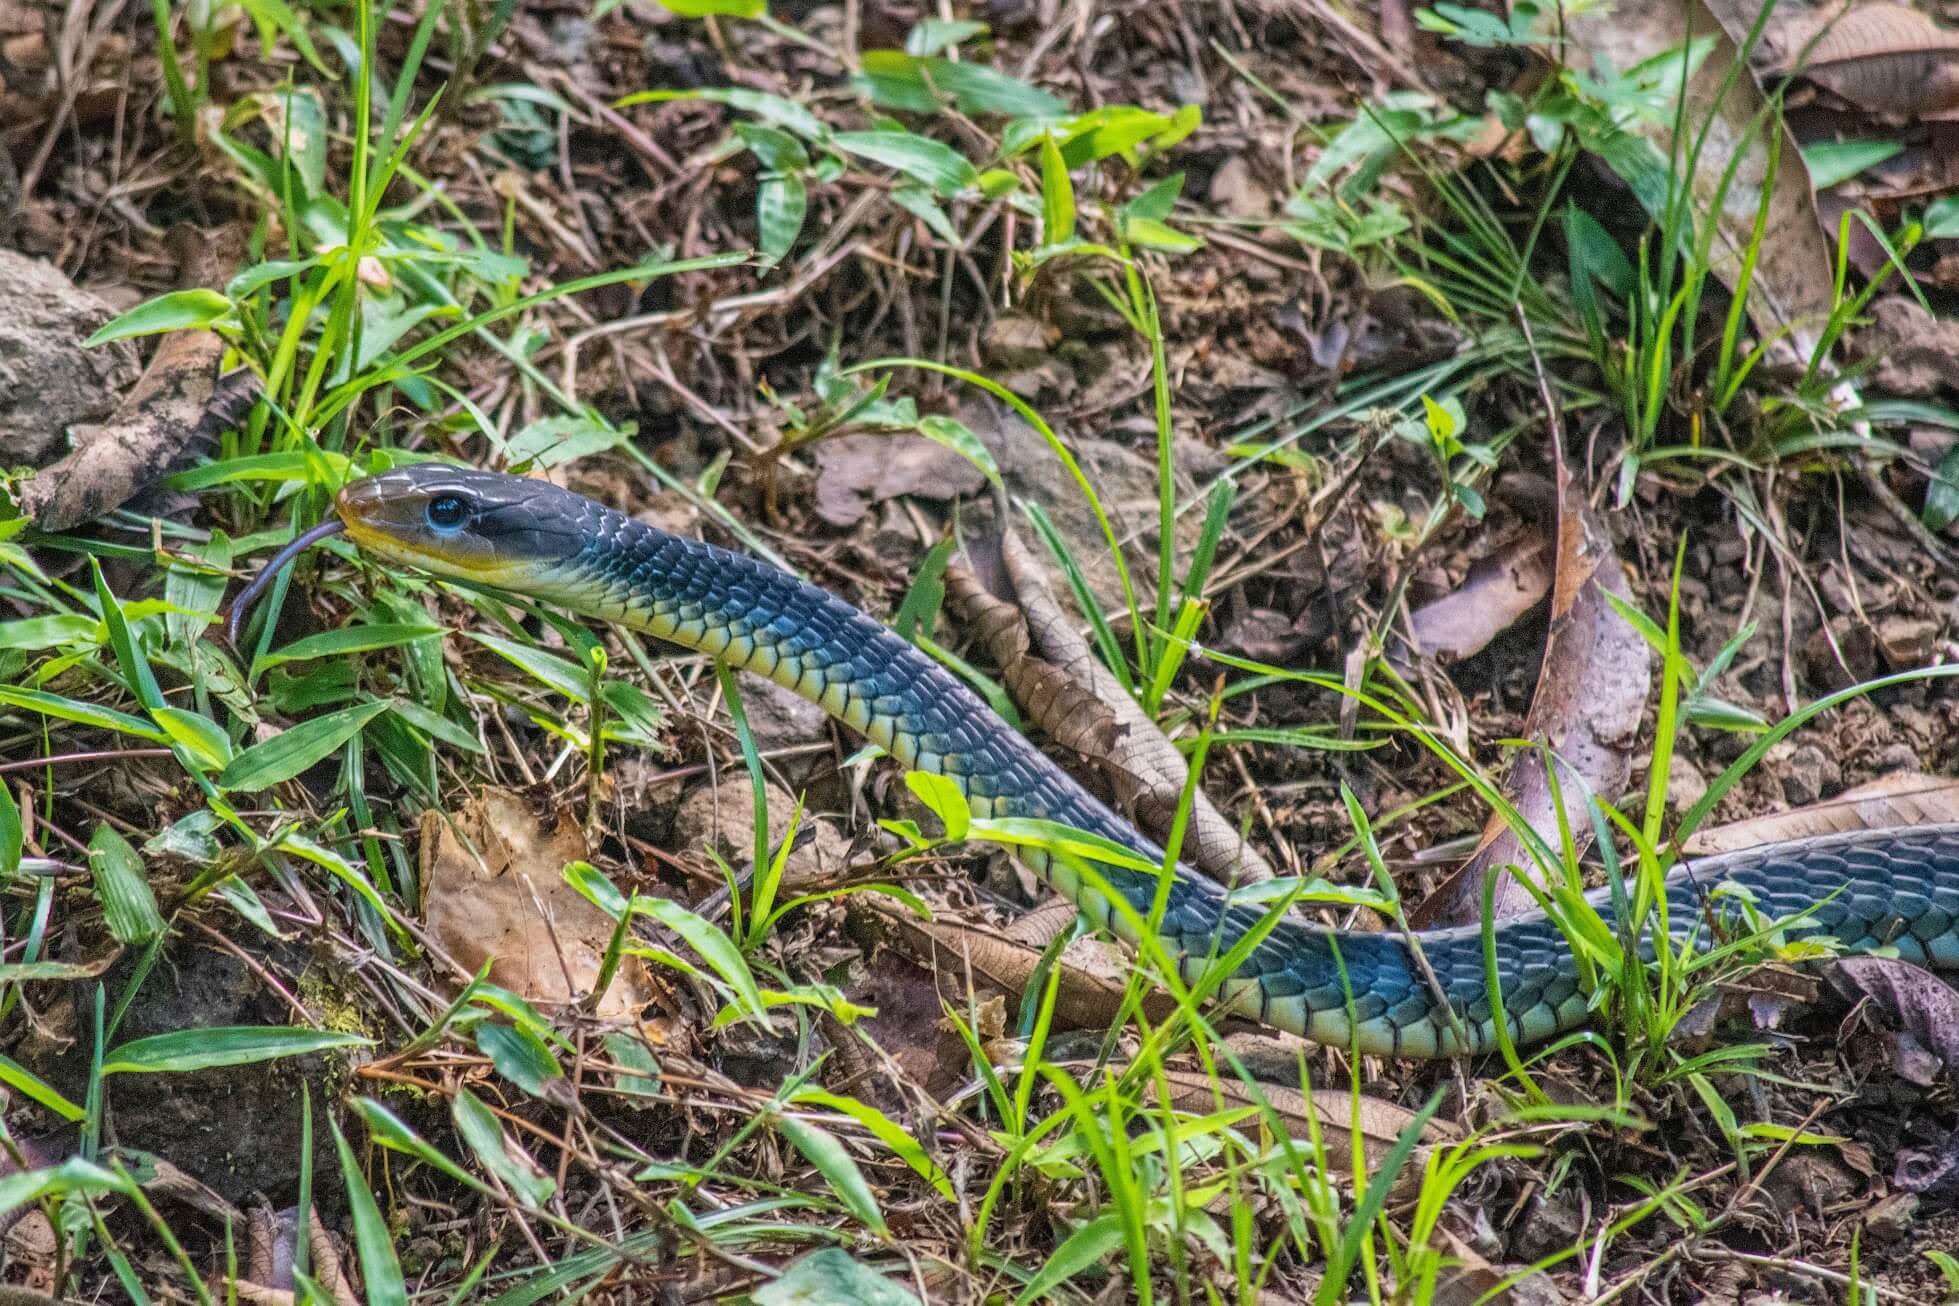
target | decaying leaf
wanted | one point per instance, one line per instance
(1049, 668)
(1498, 591)
(858, 471)
(1884, 58)
(1904, 798)
(1094, 974)
(1591, 691)
(174, 406)
(1921, 1010)
(1473, 1281)
(494, 890)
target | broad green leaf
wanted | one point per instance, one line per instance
(716, 8)
(380, 1271)
(199, 736)
(1830, 162)
(638, 1073)
(435, 725)
(88, 714)
(943, 797)
(1158, 200)
(389, 1130)
(1151, 234)
(128, 906)
(918, 201)
(958, 437)
(264, 274)
(924, 160)
(775, 150)
(312, 466)
(203, 1049)
(130, 656)
(346, 640)
(12, 837)
(194, 592)
(550, 441)
(931, 36)
(1057, 196)
(30, 1085)
(1942, 492)
(483, 1132)
(71, 1176)
(780, 205)
(822, 1150)
(886, 1131)
(519, 1056)
(57, 630)
(713, 946)
(347, 872)
(284, 756)
(897, 79)
(175, 311)
(830, 1277)
(550, 670)
(1089, 1245)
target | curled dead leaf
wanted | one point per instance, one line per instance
(1904, 798)
(1884, 58)
(1591, 693)
(1049, 668)
(1920, 1009)
(1498, 591)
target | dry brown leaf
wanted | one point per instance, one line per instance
(494, 890)
(1884, 58)
(858, 471)
(1093, 973)
(1049, 668)
(1591, 692)
(1497, 592)
(1903, 798)
(1921, 1009)
(1473, 1281)
(1792, 279)
(174, 406)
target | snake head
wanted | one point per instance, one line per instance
(464, 523)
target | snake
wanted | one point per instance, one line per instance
(1437, 992)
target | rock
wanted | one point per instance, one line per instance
(1912, 352)
(48, 382)
(780, 719)
(1235, 193)
(723, 817)
(1685, 787)
(1554, 1222)
(1810, 774)
(1891, 1219)
(1897, 757)
(1906, 642)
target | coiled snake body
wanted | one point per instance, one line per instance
(1896, 888)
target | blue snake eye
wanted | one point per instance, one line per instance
(447, 513)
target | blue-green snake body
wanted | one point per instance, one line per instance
(1358, 989)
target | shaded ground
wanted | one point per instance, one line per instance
(717, 378)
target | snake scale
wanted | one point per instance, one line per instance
(1896, 888)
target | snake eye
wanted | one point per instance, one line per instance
(447, 512)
